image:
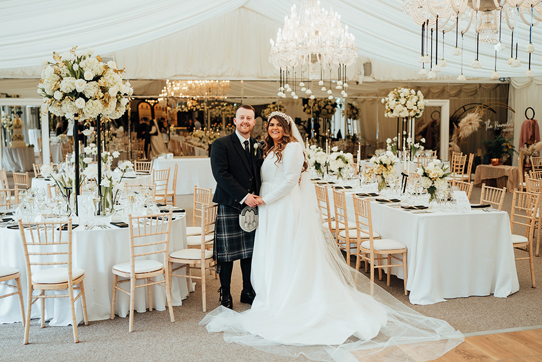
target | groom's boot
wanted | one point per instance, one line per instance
(225, 270)
(248, 294)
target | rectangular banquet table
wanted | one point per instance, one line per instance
(96, 251)
(451, 255)
(193, 171)
(508, 176)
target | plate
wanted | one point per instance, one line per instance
(480, 206)
(418, 207)
(388, 200)
(370, 194)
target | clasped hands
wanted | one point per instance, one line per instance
(254, 200)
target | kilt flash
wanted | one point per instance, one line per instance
(231, 242)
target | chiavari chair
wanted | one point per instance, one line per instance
(322, 198)
(37, 169)
(424, 161)
(492, 196)
(160, 179)
(464, 186)
(4, 179)
(467, 174)
(9, 199)
(202, 198)
(342, 227)
(200, 258)
(146, 232)
(535, 174)
(7, 274)
(173, 192)
(143, 166)
(48, 245)
(371, 250)
(21, 180)
(535, 186)
(536, 162)
(457, 167)
(523, 215)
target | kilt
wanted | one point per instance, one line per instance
(231, 242)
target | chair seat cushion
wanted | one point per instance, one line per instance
(353, 234)
(196, 239)
(519, 239)
(351, 225)
(384, 244)
(7, 270)
(141, 266)
(191, 254)
(55, 275)
(193, 230)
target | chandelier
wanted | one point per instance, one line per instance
(312, 45)
(485, 17)
(196, 89)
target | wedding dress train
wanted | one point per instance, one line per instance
(308, 301)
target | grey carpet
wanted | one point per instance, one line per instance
(156, 338)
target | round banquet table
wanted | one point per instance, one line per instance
(42, 183)
(96, 251)
(18, 159)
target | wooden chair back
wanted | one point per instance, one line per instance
(493, 196)
(9, 199)
(341, 217)
(536, 162)
(160, 179)
(523, 213)
(467, 175)
(4, 184)
(143, 166)
(535, 174)
(37, 169)
(149, 231)
(322, 199)
(21, 180)
(174, 181)
(424, 161)
(364, 221)
(464, 186)
(533, 185)
(457, 167)
(202, 198)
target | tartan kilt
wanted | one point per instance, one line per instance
(231, 242)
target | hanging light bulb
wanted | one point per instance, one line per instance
(495, 75)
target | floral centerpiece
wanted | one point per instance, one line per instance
(433, 178)
(226, 109)
(391, 145)
(7, 123)
(383, 167)
(317, 159)
(212, 136)
(351, 111)
(273, 107)
(415, 147)
(79, 86)
(404, 102)
(320, 108)
(339, 161)
(198, 135)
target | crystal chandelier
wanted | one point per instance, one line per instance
(485, 17)
(196, 89)
(312, 45)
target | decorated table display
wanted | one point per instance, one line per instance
(383, 168)
(79, 86)
(433, 178)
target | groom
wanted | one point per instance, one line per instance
(235, 161)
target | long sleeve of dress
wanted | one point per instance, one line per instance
(292, 163)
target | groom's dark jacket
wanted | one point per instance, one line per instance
(233, 172)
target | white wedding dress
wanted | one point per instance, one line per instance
(308, 301)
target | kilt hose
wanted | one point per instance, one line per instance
(231, 242)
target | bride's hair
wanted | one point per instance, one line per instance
(286, 138)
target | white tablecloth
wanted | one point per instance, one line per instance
(33, 135)
(56, 152)
(18, 159)
(193, 171)
(42, 183)
(96, 251)
(451, 255)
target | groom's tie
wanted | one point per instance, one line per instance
(247, 152)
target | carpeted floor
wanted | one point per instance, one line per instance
(156, 338)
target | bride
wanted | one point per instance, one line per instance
(308, 301)
(158, 146)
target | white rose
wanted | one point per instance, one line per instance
(75, 66)
(388, 140)
(113, 91)
(46, 170)
(112, 64)
(80, 103)
(116, 154)
(87, 133)
(80, 85)
(68, 56)
(335, 149)
(105, 182)
(93, 108)
(88, 75)
(87, 160)
(419, 171)
(91, 89)
(58, 95)
(124, 101)
(422, 140)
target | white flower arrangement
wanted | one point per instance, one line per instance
(273, 107)
(317, 159)
(79, 86)
(415, 147)
(7, 123)
(383, 165)
(339, 161)
(391, 145)
(404, 102)
(433, 177)
(198, 135)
